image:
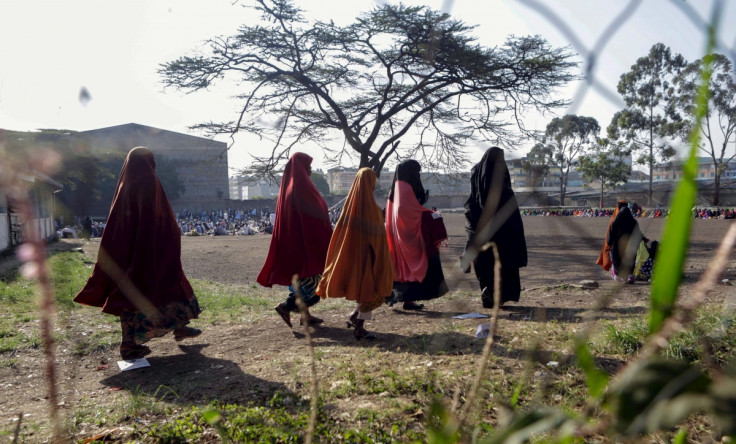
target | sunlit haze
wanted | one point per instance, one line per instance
(53, 50)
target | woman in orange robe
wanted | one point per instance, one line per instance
(358, 266)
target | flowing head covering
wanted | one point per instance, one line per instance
(302, 230)
(139, 263)
(358, 264)
(492, 212)
(404, 225)
(604, 257)
(409, 171)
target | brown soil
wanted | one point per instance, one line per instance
(249, 361)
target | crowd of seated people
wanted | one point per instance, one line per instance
(714, 213)
(228, 222)
(636, 210)
(82, 227)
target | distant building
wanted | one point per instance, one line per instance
(440, 184)
(341, 179)
(42, 200)
(247, 188)
(521, 177)
(706, 170)
(201, 163)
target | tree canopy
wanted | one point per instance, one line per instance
(718, 128)
(396, 71)
(605, 163)
(565, 139)
(648, 120)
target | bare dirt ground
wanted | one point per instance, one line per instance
(249, 361)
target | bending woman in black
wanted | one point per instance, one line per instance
(624, 236)
(492, 215)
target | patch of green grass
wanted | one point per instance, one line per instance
(712, 333)
(232, 303)
(9, 362)
(68, 275)
(241, 423)
(623, 338)
(96, 342)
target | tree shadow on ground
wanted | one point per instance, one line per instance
(565, 314)
(445, 344)
(425, 313)
(192, 378)
(441, 343)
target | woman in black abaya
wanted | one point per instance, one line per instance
(492, 215)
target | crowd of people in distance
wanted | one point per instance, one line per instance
(636, 211)
(85, 228)
(228, 222)
(714, 213)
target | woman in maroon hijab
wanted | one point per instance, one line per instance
(138, 274)
(301, 236)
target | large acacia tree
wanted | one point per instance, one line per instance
(396, 71)
(648, 121)
(718, 128)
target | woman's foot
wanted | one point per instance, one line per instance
(284, 313)
(361, 333)
(412, 306)
(130, 352)
(183, 333)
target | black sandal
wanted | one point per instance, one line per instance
(284, 313)
(412, 306)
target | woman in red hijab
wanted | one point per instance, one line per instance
(301, 236)
(138, 274)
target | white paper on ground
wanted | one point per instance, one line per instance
(470, 316)
(132, 364)
(483, 330)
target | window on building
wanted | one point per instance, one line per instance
(657, 177)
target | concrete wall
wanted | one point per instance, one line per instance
(201, 163)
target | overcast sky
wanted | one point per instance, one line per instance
(52, 49)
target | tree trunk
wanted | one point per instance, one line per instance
(562, 190)
(651, 166)
(600, 204)
(364, 161)
(716, 189)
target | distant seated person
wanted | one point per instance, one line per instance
(220, 230)
(246, 230)
(68, 233)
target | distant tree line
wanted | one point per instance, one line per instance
(658, 93)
